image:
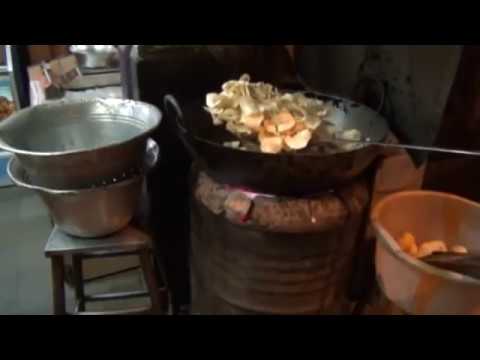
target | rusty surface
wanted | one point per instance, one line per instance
(278, 262)
(237, 207)
(283, 214)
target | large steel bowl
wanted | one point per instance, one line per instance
(413, 285)
(80, 143)
(91, 212)
(86, 213)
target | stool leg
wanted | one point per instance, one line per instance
(78, 281)
(150, 279)
(58, 282)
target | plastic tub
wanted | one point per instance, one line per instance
(411, 284)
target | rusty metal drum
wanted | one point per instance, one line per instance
(284, 256)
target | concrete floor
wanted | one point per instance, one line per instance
(25, 283)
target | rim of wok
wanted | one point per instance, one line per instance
(319, 96)
(157, 114)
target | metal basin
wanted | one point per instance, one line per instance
(413, 285)
(91, 212)
(80, 143)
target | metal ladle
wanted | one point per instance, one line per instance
(465, 264)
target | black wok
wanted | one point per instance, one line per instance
(288, 174)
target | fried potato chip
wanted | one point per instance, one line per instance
(299, 141)
(281, 121)
(271, 144)
(284, 121)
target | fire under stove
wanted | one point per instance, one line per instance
(257, 253)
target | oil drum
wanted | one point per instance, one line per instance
(270, 255)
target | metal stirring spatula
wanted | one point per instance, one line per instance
(406, 147)
(465, 264)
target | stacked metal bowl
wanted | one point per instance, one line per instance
(86, 159)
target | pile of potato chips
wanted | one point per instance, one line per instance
(280, 122)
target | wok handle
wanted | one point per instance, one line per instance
(153, 155)
(173, 110)
(170, 103)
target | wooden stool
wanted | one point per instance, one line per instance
(130, 241)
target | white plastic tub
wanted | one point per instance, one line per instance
(411, 284)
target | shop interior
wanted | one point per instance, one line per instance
(239, 180)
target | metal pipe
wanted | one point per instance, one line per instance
(124, 52)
